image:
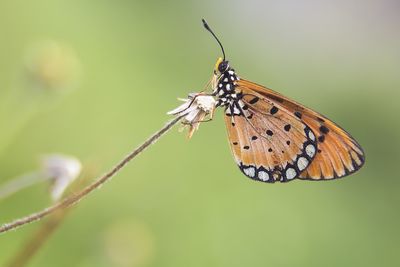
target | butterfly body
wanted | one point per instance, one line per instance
(225, 88)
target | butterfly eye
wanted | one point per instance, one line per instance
(223, 66)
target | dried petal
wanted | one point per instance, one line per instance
(63, 170)
(195, 109)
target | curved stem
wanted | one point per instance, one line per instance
(28, 250)
(75, 198)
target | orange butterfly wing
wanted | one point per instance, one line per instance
(338, 154)
(269, 143)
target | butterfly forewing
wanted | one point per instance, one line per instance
(269, 144)
(338, 154)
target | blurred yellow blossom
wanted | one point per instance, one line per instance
(53, 66)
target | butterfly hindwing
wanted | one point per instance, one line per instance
(338, 154)
(268, 144)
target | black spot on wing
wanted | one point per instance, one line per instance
(297, 114)
(323, 129)
(274, 110)
(254, 100)
(287, 127)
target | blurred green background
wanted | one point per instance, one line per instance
(93, 79)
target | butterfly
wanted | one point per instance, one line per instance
(274, 138)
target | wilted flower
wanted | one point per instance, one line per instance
(195, 109)
(62, 171)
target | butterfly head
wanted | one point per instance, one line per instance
(221, 66)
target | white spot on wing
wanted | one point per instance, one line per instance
(250, 171)
(302, 163)
(311, 135)
(263, 176)
(290, 173)
(310, 150)
(236, 110)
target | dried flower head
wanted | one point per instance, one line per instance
(195, 109)
(62, 170)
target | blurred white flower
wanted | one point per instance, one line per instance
(62, 171)
(59, 169)
(195, 109)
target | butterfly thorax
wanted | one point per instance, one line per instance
(225, 89)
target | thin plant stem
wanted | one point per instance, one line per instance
(76, 197)
(36, 241)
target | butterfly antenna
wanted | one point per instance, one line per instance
(213, 34)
